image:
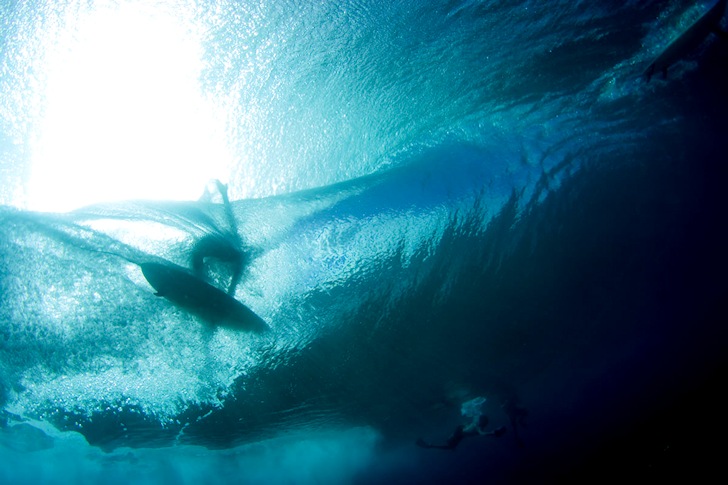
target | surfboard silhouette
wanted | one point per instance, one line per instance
(187, 291)
(689, 40)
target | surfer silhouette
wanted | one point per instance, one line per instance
(476, 427)
(189, 289)
(226, 247)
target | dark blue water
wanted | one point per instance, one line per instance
(433, 202)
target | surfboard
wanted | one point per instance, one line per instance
(187, 291)
(688, 41)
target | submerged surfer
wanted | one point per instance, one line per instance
(476, 427)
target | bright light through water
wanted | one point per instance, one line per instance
(125, 116)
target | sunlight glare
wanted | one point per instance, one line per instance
(125, 116)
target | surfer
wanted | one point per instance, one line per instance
(225, 246)
(188, 289)
(221, 248)
(476, 427)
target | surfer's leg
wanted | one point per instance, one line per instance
(235, 279)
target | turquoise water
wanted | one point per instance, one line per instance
(432, 201)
